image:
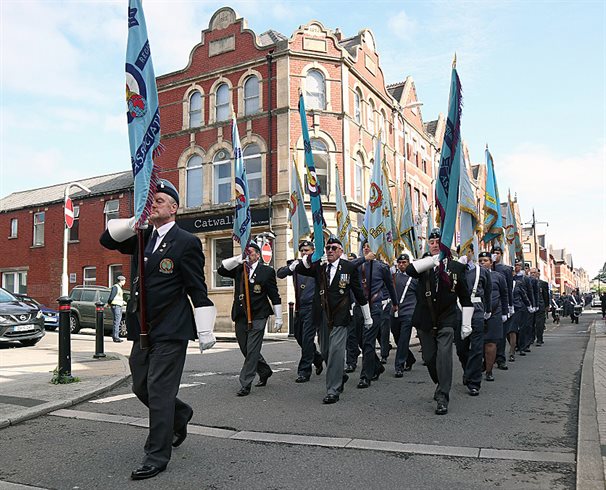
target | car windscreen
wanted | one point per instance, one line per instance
(6, 297)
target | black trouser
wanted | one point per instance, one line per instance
(401, 328)
(540, 317)
(603, 309)
(354, 332)
(368, 343)
(250, 342)
(470, 351)
(437, 354)
(156, 376)
(384, 331)
(305, 334)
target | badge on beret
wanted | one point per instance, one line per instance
(167, 266)
(257, 288)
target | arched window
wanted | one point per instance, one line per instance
(194, 179)
(315, 96)
(358, 106)
(195, 109)
(222, 103)
(382, 125)
(371, 117)
(251, 95)
(252, 161)
(221, 177)
(359, 179)
(321, 161)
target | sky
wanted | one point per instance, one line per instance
(533, 76)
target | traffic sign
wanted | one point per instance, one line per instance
(266, 252)
(69, 213)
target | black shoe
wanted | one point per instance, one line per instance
(502, 366)
(512, 358)
(243, 392)
(473, 391)
(350, 368)
(399, 374)
(343, 381)
(378, 373)
(383, 360)
(364, 383)
(319, 369)
(539, 343)
(180, 435)
(146, 471)
(522, 353)
(441, 409)
(263, 381)
(489, 377)
(302, 379)
(117, 340)
(330, 399)
(527, 349)
(408, 367)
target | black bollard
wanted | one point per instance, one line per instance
(65, 355)
(291, 319)
(99, 331)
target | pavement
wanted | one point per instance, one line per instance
(26, 391)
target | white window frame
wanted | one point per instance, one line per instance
(38, 238)
(17, 276)
(248, 100)
(110, 273)
(76, 224)
(370, 117)
(357, 106)
(216, 264)
(86, 281)
(359, 179)
(109, 213)
(190, 170)
(250, 176)
(14, 230)
(315, 99)
(217, 181)
(223, 106)
(320, 171)
(195, 112)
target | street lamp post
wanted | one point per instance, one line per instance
(64, 278)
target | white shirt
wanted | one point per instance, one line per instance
(162, 231)
(332, 269)
(251, 268)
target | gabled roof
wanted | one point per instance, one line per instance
(271, 37)
(395, 90)
(103, 184)
(431, 128)
(351, 43)
(475, 169)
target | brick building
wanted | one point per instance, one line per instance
(32, 224)
(258, 78)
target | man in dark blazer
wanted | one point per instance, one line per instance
(174, 276)
(337, 280)
(543, 305)
(435, 315)
(308, 315)
(264, 301)
(401, 321)
(507, 272)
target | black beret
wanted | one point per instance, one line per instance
(255, 246)
(485, 254)
(403, 257)
(497, 248)
(352, 256)
(426, 254)
(519, 262)
(166, 187)
(435, 233)
(334, 239)
(306, 243)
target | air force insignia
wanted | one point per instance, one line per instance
(167, 266)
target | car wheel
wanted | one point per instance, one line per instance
(29, 342)
(74, 324)
(123, 331)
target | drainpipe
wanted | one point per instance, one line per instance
(269, 58)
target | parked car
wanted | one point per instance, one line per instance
(51, 317)
(596, 302)
(83, 310)
(19, 320)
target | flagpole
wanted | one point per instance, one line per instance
(143, 334)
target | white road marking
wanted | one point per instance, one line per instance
(126, 396)
(539, 455)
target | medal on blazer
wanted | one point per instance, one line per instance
(341, 291)
(167, 266)
(343, 281)
(257, 288)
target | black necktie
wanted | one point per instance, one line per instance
(436, 275)
(151, 243)
(328, 267)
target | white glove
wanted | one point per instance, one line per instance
(530, 309)
(463, 259)
(278, 321)
(511, 311)
(293, 265)
(205, 324)
(367, 316)
(487, 315)
(122, 229)
(504, 318)
(427, 263)
(466, 324)
(233, 262)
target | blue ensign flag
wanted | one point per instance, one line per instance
(143, 113)
(242, 219)
(313, 187)
(493, 222)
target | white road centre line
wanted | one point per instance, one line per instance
(556, 455)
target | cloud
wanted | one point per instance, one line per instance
(402, 26)
(565, 190)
